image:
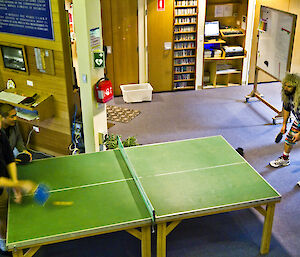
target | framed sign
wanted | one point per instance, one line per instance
(99, 60)
(13, 57)
(27, 18)
(95, 38)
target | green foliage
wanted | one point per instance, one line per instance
(111, 141)
(130, 141)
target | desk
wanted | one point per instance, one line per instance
(43, 104)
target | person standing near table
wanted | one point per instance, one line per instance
(290, 94)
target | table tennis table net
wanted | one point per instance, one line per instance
(136, 180)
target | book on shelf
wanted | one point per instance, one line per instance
(212, 53)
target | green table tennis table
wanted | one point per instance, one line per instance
(181, 180)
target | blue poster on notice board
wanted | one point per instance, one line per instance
(27, 18)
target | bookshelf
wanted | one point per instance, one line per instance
(184, 44)
(226, 68)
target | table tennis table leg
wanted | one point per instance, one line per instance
(146, 241)
(161, 240)
(145, 236)
(267, 229)
(30, 252)
(18, 253)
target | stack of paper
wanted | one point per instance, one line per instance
(11, 97)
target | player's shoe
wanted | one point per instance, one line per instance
(280, 162)
(3, 249)
(3, 245)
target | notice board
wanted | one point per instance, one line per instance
(275, 41)
(27, 18)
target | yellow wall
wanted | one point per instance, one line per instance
(292, 6)
(55, 133)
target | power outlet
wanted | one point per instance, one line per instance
(36, 129)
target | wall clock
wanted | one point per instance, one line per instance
(10, 84)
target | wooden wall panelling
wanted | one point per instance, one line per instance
(46, 140)
(125, 42)
(55, 85)
(55, 135)
(68, 64)
(2, 84)
(160, 30)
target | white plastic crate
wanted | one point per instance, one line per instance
(133, 93)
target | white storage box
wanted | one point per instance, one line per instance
(133, 93)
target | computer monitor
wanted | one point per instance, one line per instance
(14, 58)
(211, 29)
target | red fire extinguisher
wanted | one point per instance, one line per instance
(103, 90)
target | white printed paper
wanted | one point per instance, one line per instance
(228, 8)
(219, 10)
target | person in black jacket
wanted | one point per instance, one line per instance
(9, 179)
(11, 128)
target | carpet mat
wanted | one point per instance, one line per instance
(120, 114)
